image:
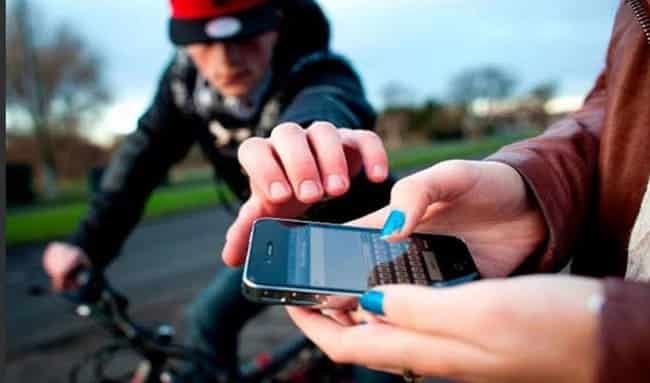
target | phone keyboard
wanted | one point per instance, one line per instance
(401, 262)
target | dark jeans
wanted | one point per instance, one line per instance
(218, 314)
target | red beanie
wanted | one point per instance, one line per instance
(196, 21)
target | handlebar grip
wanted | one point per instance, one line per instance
(91, 284)
(81, 274)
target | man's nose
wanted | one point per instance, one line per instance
(229, 53)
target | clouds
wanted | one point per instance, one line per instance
(424, 43)
(421, 43)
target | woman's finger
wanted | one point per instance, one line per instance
(373, 220)
(413, 196)
(391, 348)
(341, 317)
(372, 151)
(290, 143)
(258, 159)
(451, 311)
(326, 143)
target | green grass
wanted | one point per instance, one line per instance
(43, 223)
(30, 225)
(419, 156)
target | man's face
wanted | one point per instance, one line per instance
(234, 67)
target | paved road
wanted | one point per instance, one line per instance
(163, 265)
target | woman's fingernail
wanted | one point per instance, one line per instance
(308, 189)
(278, 190)
(394, 223)
(373, 301)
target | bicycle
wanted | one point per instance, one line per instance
(295, 361)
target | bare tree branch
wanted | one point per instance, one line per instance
(489, 82)
(55, 78)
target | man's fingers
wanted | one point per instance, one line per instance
(291, 146)
(371, 149)
(59, 260)
(234, 250)
(58, 283)
(257, 158)
(326, 143)
(309, 163)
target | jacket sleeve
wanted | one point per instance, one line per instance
(624, 335)
(139, 165)
(324, 87)
(560, 168)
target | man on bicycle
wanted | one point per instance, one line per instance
(242, 68)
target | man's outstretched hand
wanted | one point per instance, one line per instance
(295, 168)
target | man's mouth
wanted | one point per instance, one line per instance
(234, 77)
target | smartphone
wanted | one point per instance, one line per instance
(328, 265)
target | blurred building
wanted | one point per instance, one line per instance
(74, 155)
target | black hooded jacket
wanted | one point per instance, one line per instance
(308, 83)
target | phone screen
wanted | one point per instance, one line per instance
(337, 257)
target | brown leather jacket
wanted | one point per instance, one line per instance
(589, 172)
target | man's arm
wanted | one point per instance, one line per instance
(324, 87)
(140, 164)
(310, 153)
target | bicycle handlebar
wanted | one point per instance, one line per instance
(90, 284)
(95, 298)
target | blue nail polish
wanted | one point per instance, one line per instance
(394, 223)
(373, 301)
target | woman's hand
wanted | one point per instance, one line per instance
(295, 168)
(526, 329)
(485, 203)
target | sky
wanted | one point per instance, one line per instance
(421, 44)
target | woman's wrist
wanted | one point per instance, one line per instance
(588, 357)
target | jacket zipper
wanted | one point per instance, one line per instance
(642, 16)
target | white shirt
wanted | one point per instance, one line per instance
(638, 255)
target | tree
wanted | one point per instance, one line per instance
(488, 83)
(544, 91)
(535, 107)
(52, 78)
(397, 95)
